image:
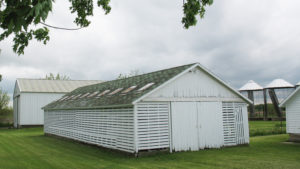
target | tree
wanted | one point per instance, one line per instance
(18, 17)
(0, 77)
(4, 99)
(130, 74)
(57, 77)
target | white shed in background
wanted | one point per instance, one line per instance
(292, 105)
(182, 108)
(30, 95)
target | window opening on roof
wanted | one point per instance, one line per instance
(77, 96)
(85, 95)
(63, 98)
(146, 86)
(129, 89)
(103, 93)
(70, 97)
(115, 91)
(93, 94)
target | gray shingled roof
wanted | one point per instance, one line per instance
(93, 98)
(52, 86)
(118, 99)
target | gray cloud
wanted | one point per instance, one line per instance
(237, 40)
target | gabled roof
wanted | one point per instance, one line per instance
(289, 97)
(279, 83)
(251, 85)
(52, 86)
(120, 99)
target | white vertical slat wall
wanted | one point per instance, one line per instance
(196, 125)
(293, 114)
(184, 126)
(110, 128)
(235, 123)
(152, 125)
(210, 124)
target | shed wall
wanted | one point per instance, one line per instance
(199, 125)
(30, 112)
(153, 125)
(293, 114)
(110, 128)
(195, 85)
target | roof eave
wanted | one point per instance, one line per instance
(90, 108)
(289, 97)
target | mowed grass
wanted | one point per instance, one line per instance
(29, 148)
(261, 128)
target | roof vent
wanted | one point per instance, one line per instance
(70, 97)
(129, 89)
(85, 95)
(63, 98)
(93, 94)
(76, 96)
(103, 93)
(146, 86)
(115, 91)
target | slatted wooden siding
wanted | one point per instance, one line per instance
(235, 123)
(293, 114)
(153, 125)
(111, 128)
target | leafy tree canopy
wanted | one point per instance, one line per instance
(4, 99)
(25, 19)
(0, 77)
(130, 74)
(51, 76)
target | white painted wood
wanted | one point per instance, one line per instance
(229, 127)
(196, 67)
(152, 125)
(111, 128)
(197, 125)
(245, 123)
(293, 114)
(210, 126)
(170, 129)
(30, 107)
(195, 99)
(16, 106)
(195, 84)
(235, 123)
(184, 126)
(136, 148)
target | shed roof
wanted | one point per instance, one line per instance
(289, 97)
(119, 99)
(251, 85)
(52, 86)
(279, 83)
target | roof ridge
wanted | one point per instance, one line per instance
(53, 79)
(109, 81)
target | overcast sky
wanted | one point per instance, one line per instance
(238, 40)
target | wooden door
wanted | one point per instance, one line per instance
(210, 123)
(184, 126)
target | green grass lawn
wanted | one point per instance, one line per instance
(260, 128)
(29, 148)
